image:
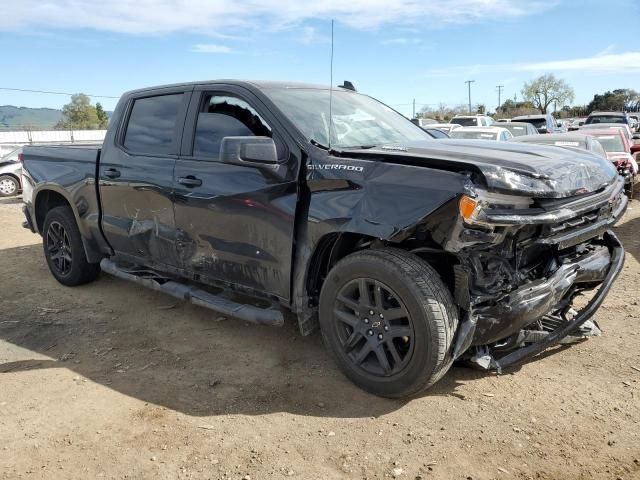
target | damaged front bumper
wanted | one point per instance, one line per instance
(532, 301)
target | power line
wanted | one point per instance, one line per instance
(53, 93)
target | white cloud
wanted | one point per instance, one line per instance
(607, 50)
(210, 48)
(401, 41)
(243, 17)
(602, 62)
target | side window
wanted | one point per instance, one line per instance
(225, 116)
(152, 124)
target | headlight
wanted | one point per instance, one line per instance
(473, 209)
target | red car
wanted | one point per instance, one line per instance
(618, 149)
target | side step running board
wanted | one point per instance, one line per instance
(150, 279)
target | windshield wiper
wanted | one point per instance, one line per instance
(360, 147)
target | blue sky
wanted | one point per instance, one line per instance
(395, 51)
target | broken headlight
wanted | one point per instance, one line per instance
(474, 209)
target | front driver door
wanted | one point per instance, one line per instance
(235, 222)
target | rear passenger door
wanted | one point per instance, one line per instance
(235, 222)
(136, 177)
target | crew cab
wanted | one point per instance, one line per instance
(261, 200)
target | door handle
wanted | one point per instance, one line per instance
(190, 181)
(112, 173)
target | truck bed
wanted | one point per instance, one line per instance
(71, 171)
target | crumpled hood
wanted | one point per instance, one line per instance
(512, 168)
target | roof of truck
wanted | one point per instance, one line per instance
(259, 84)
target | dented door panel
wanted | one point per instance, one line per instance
(237, 226)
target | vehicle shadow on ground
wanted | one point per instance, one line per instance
(11, 200)
(629, 233)
(152, 347)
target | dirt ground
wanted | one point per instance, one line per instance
(111, 380)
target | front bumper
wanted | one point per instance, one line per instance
(617, 261)
(529, 303)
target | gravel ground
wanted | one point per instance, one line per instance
(110, 380)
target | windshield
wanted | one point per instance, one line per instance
(611, 143)
(465, 121)
(474, 135)
(357, 120)
(606, 119)
(536, 122)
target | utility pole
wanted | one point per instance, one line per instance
(414, 108)
(469, 82)
(499, 87)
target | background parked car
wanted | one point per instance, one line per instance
(618, 126)
(482, 133)
(607, 117)
(473, 120)
(10, 173)
(576, 123)
(545, 123)
(436, 132)
(618, 149)
(519, 129)
(423, 122)
(636, 118)
(445, 127)
(566, 140)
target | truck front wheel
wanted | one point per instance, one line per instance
(389, 321)
(63, 249)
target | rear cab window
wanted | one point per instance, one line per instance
(153, 126)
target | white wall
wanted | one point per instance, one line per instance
(12, 140)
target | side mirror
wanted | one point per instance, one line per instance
(256, 152)
(249, 150)
(542, 130)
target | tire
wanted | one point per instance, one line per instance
(9, 186)
(64, 250)
(413, 313)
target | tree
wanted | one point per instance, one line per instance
(618, 100)
(103, 118)
(79, 114)
(547, 89)
(511, 108)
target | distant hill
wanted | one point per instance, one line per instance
(15, 118)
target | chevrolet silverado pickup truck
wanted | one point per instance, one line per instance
(266, 201)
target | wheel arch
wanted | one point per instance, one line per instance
(48, 198)
(334, 246)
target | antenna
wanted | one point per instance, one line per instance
(331, 89)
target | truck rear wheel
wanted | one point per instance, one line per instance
(389, 321)
(64, 251)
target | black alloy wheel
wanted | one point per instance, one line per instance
(374, 327)
(59, 248)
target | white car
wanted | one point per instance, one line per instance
(482, 133)
(445, 127)
(10, 173)
(473, 120)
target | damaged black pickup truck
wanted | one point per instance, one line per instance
(260, 200)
